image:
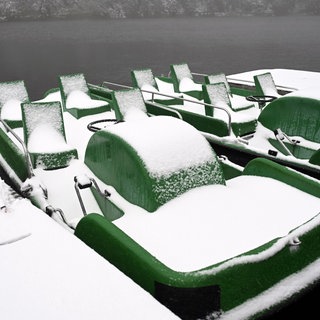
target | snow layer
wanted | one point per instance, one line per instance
(213, 223)
(47, 273)
(172, 146)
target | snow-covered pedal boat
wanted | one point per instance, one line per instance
(205, 237)
(262, 113)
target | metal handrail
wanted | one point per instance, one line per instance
(197, 102)
(199, 74)
(115, 84)
(162, 107)
(25, 151)
(179, 98)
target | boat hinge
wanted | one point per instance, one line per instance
(281, 136)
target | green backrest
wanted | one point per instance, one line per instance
(127, 101)
(14, 92)
(294, 115)
(47, 147)
(265, 85)
(217, 78)
(78, 99)
(215, 94)
(179, 72)
(70, 83)
(142, 77)
(42, 113)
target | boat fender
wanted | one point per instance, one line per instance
(279, 134)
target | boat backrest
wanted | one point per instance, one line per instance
(72, 82)
(129, 104)
(76, 96)
(179, 72)
(296, 115)
(265, 85)
(143, 77)
(47, 114)
(217, 78)
(44, 134)
(216, 94)
(12, 94)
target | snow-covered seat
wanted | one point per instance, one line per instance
(243, 122)
(76, 97)
(265, 85)
(12, 94)
(237, 102)
(183, 81)
(144, 80)
(129, 105)
(44, 135)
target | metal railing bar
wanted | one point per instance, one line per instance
(25, 151)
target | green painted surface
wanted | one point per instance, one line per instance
(315, 158)
(295, 116)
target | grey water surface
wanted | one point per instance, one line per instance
(39, 51)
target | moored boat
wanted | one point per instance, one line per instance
(204, 236)
(281, 124)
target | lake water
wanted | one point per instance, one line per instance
(38, 52)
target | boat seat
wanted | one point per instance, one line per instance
(183, 81)
(145, 80)
(237, 102)
(44, 135)
(76, 96)
(12, 94)
(297, 115)
(129, 104)
(243, 122)
(265, 85)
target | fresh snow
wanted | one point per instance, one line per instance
(172, 146)
(81, 100)
(11, 110)
(211, 223)
(47, 273)
(286, 78)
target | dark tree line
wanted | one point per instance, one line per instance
(15, 9)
